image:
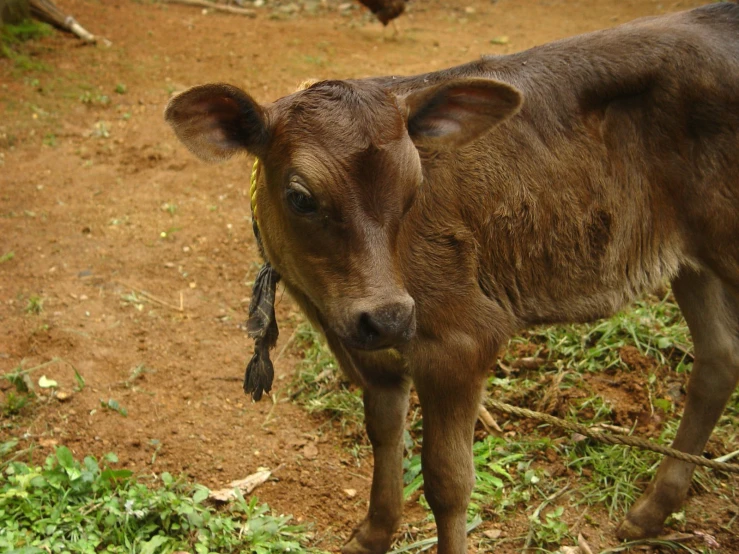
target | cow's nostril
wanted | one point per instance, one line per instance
(368, 328)
(387, 325)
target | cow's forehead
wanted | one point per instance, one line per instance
(350, 116)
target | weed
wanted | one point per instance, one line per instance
(120, 88)
(25, 390)
(134, 300)
(90, 98)
(14, 403)
(170, 208)
(136, 373)
(88, 507)
(550, 530)
(113, 405)
(35, 304)
(7, 257)
(50, 140)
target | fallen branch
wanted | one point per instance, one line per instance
(246, 485)
(212, 6)
(48, 12)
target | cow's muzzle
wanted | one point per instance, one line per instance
(387, 325)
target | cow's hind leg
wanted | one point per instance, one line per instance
(712, 313)
(385, 408)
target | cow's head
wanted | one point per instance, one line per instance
(339, 171)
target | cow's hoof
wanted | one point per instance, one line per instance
(365, 540)
(355, 547)
(633, 528)
(629, 531)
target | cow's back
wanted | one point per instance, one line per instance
(619, 170)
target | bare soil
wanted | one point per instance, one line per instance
(142, 256)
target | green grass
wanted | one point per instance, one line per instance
(12, 38)
(654, 327)
(514, 474)
(35, 304)
(320, 385)
(85, 507)
(24, 389)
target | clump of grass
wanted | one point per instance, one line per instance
(28, 29)
(87, 507)
(656, 329)
(12, 37)
(320, 385)
(610, 477)
(25, 391)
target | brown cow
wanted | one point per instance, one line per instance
(421, 221)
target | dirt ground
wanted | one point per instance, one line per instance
(140, 257)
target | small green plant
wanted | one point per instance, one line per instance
(25, 390)
(90, 98)
(115, 406)
(50, 140)
(550, 530)
(120, 88)
(170, 208)
(7, 257)
(137, 373)
(14, 403)
(88, 507)
(35, 304)
(134, 300)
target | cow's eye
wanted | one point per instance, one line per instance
(300, 199)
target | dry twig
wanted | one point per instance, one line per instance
(216, 7)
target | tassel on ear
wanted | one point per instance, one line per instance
(262, 327)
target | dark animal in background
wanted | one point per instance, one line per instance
(422, 221)
(385, 10)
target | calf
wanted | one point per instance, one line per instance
(422, 221)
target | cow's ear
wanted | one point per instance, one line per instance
(216, 121)
(453, 113)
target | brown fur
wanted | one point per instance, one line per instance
(457, 207)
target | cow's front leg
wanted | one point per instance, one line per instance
(385, 409)
(450, 400)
